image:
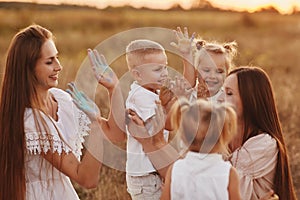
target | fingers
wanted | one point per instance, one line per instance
(193, 37)
(92, 57)
(101, 61)
(174, 45)
(185, 32)
(73, 91)
(179, 32)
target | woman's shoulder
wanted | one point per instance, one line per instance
(263, 139)
(60, 94)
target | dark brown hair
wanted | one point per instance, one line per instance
(18, 92)
(260, 115)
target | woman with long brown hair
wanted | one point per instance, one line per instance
(41, 129)
(259, 151)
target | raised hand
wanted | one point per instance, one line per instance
(83, 102)
(172, 89)
(103, 73)
(184, 42)
(181, 87)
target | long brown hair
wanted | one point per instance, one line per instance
(260, 115)
(18, 92)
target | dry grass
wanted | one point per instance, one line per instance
(268, 40)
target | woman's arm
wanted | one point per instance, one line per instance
(114, 126)
(233, 189)
(161, 154)
(255, 165)
(84, 172)
(166, 191)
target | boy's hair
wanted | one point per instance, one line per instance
(137, 49)
(228, 49)
(204, 126)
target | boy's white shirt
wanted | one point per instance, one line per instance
(142, 101)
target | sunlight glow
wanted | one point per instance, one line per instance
(283, 6)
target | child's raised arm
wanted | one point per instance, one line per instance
(184, 46)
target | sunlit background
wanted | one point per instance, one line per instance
(266, 39)
(283, 6)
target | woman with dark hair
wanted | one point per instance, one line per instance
(41, 129)
(259, 151)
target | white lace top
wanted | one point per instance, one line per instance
(43, 181)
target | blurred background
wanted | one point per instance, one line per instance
(268, 36)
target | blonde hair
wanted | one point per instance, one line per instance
(204, 126)
(229, 50)
(137, 49)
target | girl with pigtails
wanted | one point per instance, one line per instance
(206, 129)
(205, 64)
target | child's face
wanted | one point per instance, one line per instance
(212, 69)
(152, 71)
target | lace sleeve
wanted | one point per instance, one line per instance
(38, 142)
(83, 130)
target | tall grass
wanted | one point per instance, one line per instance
(269, 40)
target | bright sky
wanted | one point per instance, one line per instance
(283, 6)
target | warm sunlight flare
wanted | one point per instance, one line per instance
(283, 6)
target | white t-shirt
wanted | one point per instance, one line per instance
(43, 181)
(142, 101)
(200, 176)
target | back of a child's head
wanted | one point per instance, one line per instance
(136, 50)
(204, 126)
(204, 48)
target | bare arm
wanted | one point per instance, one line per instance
(84, 172)
(114, 126)
(233, 187)
(184, 46)
(166, 192)
(107, 77)
(161, 154)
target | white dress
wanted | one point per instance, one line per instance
(200, 176)
(43, 181)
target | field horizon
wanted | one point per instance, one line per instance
(265, 39)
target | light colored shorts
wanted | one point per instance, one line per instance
(146, 187)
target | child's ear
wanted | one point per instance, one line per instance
(136, 74)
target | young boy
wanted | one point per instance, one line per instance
(147, 62)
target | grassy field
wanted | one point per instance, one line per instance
(268, 40)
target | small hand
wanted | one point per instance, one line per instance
(103, 73)
(83, 102)
(149, 132)
(166, 94)
(184, 43)
(181, 87)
